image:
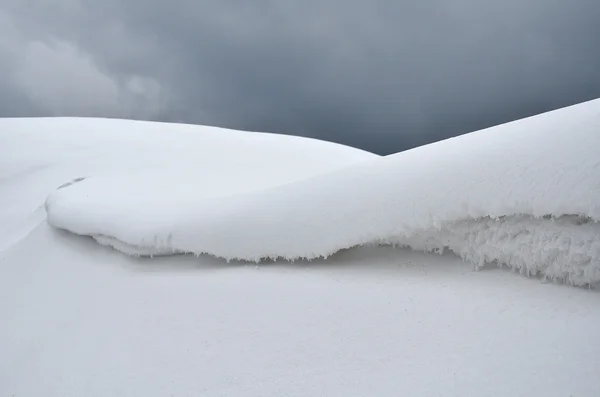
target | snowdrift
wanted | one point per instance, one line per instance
(524, 195)
(39, 154)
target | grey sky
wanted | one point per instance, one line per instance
(383, 75)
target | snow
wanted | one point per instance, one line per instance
(80, 319)
(39, 155)
(515, 195)
(83, 320)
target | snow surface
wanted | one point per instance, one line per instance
(481, 195)
(39, 155)
(78, 319)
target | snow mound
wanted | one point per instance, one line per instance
(39, 154)
(524, 194)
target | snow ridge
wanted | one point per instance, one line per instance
(524, 195)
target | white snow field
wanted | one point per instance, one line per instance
(525, 194)
(78, 318)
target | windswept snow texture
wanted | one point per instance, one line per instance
(524, 194)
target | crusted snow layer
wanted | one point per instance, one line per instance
(560, 249)
(543, 166)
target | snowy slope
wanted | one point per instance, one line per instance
(80, 319)
(481, 195)
(39, 155)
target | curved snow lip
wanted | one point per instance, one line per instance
(539, 176)
(564, 249)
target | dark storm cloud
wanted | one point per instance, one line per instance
(381, 75)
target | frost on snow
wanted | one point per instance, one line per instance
(524, 195)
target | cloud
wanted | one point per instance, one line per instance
(47, 74)
(61, 81)
(383, 75)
